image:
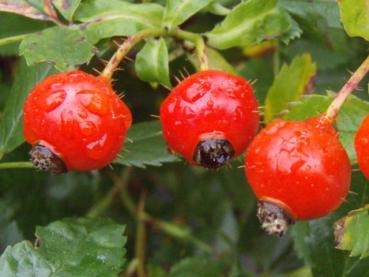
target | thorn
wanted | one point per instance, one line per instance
(130, 140)
(181, 74)
(345, 200)
(121, 95)
(105, 62)
(355, 169)
(166, 87)
(97, 71)
(155, 116)
(128, 59)
(177, 79)
(353, 192)
(241, 166)
(120, 156)
(186, 71)
(253, 82)
(116, 43)
(111, 166)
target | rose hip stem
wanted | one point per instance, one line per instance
(124, 49)
(345, 91)
(131, 41)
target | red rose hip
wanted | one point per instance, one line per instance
(298, 171)
(210, 117)
(362, 147)
(74, 121)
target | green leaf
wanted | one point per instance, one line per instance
(147, 146)
(348, 121)
(196, 266)
(178, 11)
(67, 7)
(351, 232)
(250, 23)
(216, 61)
(355, 18)
(152, 64)
(11, 123)
(314, 11)
(70, 247)
(105, 19)
(289, 85)
(14, 25)
(58, 45)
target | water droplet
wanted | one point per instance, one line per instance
(210, 103)
(87, 128)
(82, 114)
(197, 91)
(54, 100)
(95, 150)
(94, 102)
(67, 123)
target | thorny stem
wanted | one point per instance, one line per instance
(10, 165)
(345, 91)
(124, 49)
(126, 46)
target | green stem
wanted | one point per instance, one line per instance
(9, 40)
(106, 201)
(124, 49)
(10, 165)
(276, 60)
(140, 246)
(199, 43)
(174, 230)
(345, 91)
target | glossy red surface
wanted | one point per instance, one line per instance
(300, 165)
(79, 116)
(362, 147)
(209, 104)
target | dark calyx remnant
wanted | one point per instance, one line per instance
(213, 153)
(44, 159)
(274, 219)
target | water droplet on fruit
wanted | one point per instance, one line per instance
(67, 123)
(87, 128)
(196, 91)
(82, 114)
(94, 102)
(96, 149)
(54, 100)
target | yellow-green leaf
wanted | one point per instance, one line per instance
(355, 17)
(289, 85)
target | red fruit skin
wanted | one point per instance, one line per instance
(79, 117)
(300, 166)
(209, 104)
(362, 146)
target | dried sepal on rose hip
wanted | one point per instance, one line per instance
(298, 171)
(210, 117)
(74, 121)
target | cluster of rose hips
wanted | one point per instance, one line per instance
(298, 170)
